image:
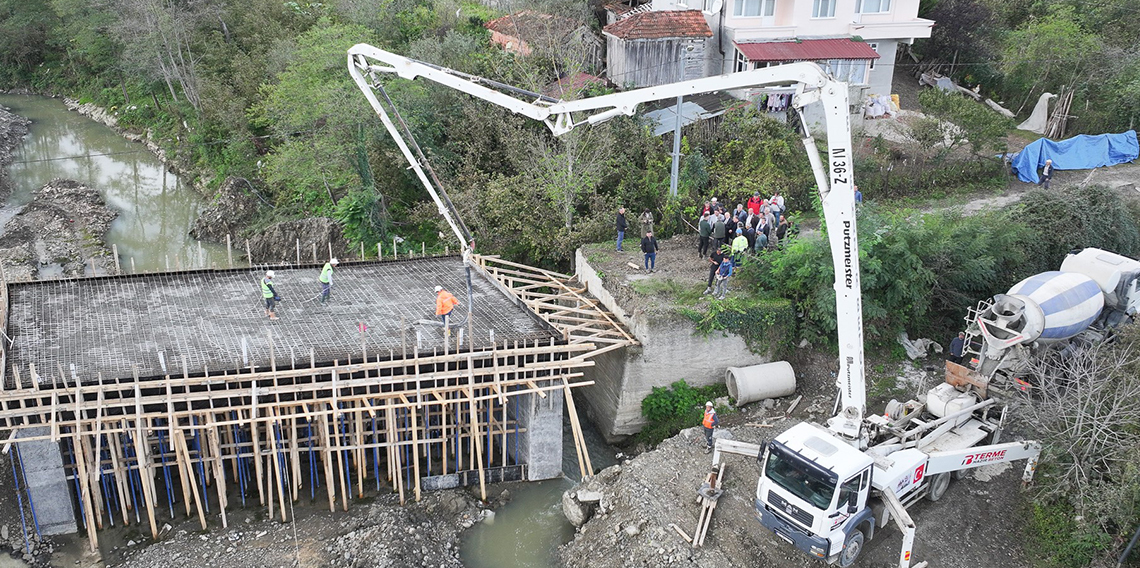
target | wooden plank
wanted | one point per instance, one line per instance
(186, 470)
(213, 444)
(415, 450)
(326, 449)
(274, 436)
(84, 486)
(477, 442)
(584, 466)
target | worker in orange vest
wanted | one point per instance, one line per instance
(444, 303)
(709, 423)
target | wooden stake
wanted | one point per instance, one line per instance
(229, 250)
(115, 253)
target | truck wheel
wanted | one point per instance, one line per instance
(938, 486)
(851, 549)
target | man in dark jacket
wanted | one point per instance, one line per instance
(649, 247)
(715, 259)
(956, 347)
(621, 226)
(705, 228)
(718, 233)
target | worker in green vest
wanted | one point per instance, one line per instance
(739, 245)
(326, 280)
(270, 295)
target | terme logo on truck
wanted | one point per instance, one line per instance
(983, 457)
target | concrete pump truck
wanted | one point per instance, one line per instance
(823, 488)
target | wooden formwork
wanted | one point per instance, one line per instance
(136, 447)
(561, 302)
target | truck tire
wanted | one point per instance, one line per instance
(852, 547)
(938, 485)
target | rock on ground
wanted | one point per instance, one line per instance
(65, 224)
(233, 208)
(13, 128)
(383, 534)
(278, 242)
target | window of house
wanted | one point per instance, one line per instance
(853, 71)
(872, 6)
(742, 63)
(823, 9)
(750, 8)
(871, 63)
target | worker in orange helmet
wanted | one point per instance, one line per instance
(709, 423)
(444, 303)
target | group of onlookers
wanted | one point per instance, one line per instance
(725, 236)
(762, 223)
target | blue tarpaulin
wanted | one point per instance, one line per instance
(1081, 152)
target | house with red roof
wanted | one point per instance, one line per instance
(659, 41)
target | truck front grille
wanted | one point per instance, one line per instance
(783, 507)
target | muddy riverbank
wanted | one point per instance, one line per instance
(61, 233)
(13, 128)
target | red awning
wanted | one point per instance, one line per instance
(807, 50)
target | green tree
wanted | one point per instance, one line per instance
(315, 112)
(959, 121)
(1050, 52)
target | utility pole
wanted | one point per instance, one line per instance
(676, 150)
(677, 132)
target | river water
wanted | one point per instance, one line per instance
(528, 530)
(155, 208)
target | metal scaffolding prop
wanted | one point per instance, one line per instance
(140, 449)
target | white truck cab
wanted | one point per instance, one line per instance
(813, 484)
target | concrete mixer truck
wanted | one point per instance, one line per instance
(1065, 310)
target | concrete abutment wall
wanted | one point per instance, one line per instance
(671, 350)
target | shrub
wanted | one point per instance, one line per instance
(672, 409)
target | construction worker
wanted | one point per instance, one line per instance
(444, 303)
(270, 295)
(326, 280)
(739, 245)
(709, 423)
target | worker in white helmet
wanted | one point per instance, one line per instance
(709, 423)
(444, 303)
(270, 295)
(326, 280)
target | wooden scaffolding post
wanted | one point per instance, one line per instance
(273, 432)
(576, 428)
(84, 485)
(255, 442)
(213, 442)
(143, 459)
(477, 442)
(327, 457)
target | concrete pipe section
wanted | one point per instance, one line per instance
(758, 382)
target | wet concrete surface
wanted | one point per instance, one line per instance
(216, 319)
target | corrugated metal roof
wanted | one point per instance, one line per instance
(807, 50)
(661, 25)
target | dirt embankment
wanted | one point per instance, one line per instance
(13, 128)
(383, 534)
(977, 523)
(60, 233)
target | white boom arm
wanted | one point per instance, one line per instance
(977, 456)
(834, 179)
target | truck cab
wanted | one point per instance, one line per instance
(813, 492)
